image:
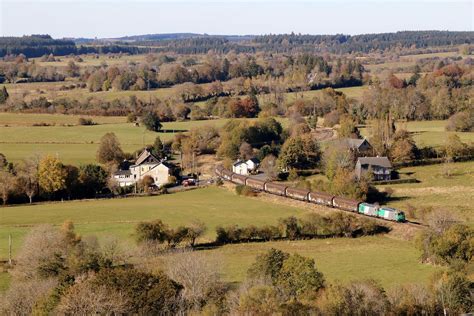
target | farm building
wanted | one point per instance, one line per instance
(381, 167)
(246, 167)
(361, 147)
(145, 165)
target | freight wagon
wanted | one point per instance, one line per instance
(227, 174)
(275, 188)
(218, 170)
(238, 178)
(321, 198)
(256, 184)
(297, 194)
(345, 204)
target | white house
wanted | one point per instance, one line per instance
(246, 167)
(146, 165)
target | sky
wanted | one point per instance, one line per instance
(115, 18)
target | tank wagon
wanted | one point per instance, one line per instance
(345, 204)
(297, 194)
(238, 178)
(321, 198)
(276, 188)
(257, 184)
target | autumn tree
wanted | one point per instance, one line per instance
(403, 147)
(269, 167)
(348, 128)
(7, 184)
(245, 151)
(51, 175)
(453, 292)
(355, 298)
(109, 149)
(381, 133)
(198, 274)
(72, 69)
(453, 147)
(337, 156)
(28, 177)
(146, 183)
(299, 152)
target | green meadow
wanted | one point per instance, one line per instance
(387, 260)
(213, 206)
(428, 133)
(454, 193)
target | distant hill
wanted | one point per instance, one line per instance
(194, 43)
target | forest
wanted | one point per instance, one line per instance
(38, 45)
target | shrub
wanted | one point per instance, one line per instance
(147, 294)
(244, 190)
(461, 122)
(151, 121)
(86, 121)
(315, 226)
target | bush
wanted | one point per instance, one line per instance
(461, 122)
(151, 121)
(147, 294)
(86, 121)
(158, 232)
(244, 190)
(314, 226)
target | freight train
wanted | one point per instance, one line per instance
(320, 198)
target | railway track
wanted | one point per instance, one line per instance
(307, 197)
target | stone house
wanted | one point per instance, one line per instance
(381, 168)
(146, 165)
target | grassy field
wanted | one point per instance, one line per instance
(384, 259)
(428, 133)
(77, 144)
(28, 119)
(408, 60)
(212, 205)
(4, 281)
(51, 90)
(387, 260)
(454, 193)
(350, 92)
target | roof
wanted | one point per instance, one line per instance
(375, 161)
(146, 156)
(238, 162)
(122, 173)
(254, 160)
(353, 143)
